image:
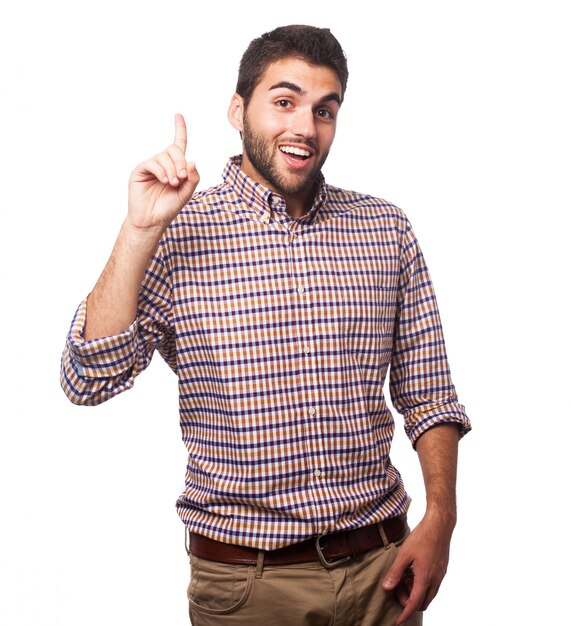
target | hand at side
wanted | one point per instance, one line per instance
(422, 561)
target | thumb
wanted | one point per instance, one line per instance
(192, 173)
(191, 166)
(396, 572)
(188, 184)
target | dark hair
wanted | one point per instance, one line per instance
(315, 46)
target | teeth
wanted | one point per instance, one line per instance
(298, 151)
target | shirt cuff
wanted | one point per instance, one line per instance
(104, 357)
(422, 418)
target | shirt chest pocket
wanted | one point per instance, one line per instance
(368, 324)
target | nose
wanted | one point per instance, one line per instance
(303, 123)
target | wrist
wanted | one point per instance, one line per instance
(444, 515)
(140, 238)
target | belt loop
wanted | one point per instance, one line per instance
(383, 535)
(260, 563)
(187, 540)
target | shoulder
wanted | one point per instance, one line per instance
(206, 205)
(361, 206)
(213, 199)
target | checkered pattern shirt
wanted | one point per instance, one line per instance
(281, 332)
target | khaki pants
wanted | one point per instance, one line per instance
(295, 595)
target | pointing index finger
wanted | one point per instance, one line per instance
(180, 132)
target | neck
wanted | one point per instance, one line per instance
(297, 205)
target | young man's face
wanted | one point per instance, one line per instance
(289, 125)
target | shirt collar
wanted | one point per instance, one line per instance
(261, 200)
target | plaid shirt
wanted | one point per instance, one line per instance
(281, 332)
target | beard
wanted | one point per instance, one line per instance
(263, 157)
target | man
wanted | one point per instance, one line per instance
(280, 302)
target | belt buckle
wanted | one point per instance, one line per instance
(324, 561)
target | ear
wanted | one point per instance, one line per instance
(236, 112)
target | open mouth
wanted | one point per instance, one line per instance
(298, 154)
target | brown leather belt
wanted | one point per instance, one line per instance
(330, 549)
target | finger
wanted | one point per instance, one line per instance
(193, 175)
(180, 132)
(188, 185)
(166, 162)
(414, 603)
(402, 595)
(179, 160)
(403, 589)
(396, 572)
(408, 611)
(151, 166)
(192, 179)
(429, 597)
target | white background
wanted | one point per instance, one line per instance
(457, 112)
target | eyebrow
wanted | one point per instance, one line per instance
(284, 84)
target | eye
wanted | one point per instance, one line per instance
(325, 114)
(283, 103)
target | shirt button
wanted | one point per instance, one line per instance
(300, 289)
(312, 411)
(317, 473)
(307, 349)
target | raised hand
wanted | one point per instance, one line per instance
(159, 187)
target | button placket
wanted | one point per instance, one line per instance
(307, 350)
(311, 348)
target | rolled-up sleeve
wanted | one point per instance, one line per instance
(420, 383)
(95, 370)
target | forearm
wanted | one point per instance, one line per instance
(112, 305)
(158, 189)
(424, 554)
(437, 451)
